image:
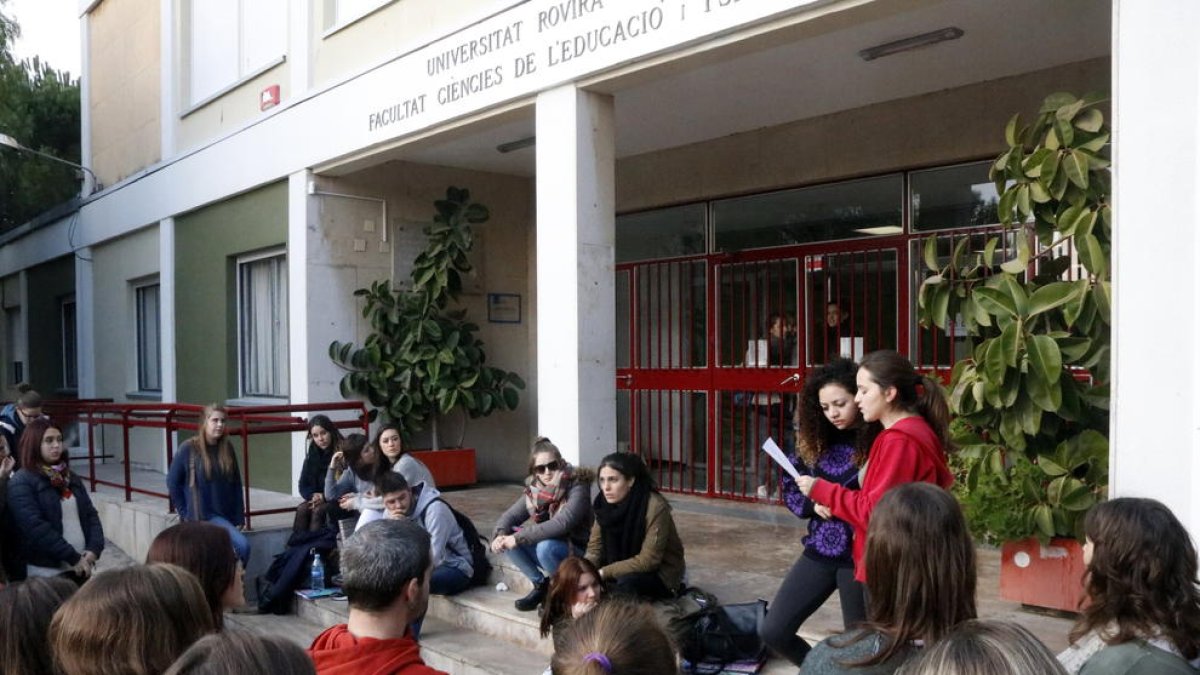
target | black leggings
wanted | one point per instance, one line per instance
(644, 585)
(803, 591)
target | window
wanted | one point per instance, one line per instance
(953, 197)
(661, 233)
(14, 345)
(341, 12)
(149, 341)
(231, 40)
(70, 347)
(263, 325)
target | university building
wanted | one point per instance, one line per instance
(664, 177)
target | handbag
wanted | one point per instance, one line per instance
(724, 633)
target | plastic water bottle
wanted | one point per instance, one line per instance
(317, 582)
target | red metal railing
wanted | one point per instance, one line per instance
(244, 422)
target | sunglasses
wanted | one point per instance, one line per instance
(549, 466)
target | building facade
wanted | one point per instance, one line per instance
(664, 178)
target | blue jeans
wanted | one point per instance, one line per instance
(240, 543)
(447, 580)
(540, 560)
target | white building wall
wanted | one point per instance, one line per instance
(1156, 386)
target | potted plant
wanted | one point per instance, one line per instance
(1032, 399)
(423, 359)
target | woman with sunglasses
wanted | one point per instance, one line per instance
(550, 520)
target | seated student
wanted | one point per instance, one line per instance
(557, 515)
(452, 568)
(1142, 612)
(8, 539)
(980, 647)
(350, 477)
(617, 638)
(323, 440)
(634, 542)
(384, 568)
(575, 590)
(206, 551)
(135, 619)
(920, 564)
(392, 453)
(25, 612)
(233, 652)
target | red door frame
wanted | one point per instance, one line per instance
(714, 379)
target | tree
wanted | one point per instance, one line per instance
(39, 107)
(1032, 400)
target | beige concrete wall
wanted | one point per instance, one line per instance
(229, 111)
(504, 244)
(124, 81)
(116, 266)
(939, 128)
(392, 30)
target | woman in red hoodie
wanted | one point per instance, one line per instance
(911, 447)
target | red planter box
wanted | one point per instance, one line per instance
(1043, 576)
(450, 468)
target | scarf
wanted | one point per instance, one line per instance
(622, 525)
(544, 499)
(60, 478)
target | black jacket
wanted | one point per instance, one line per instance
(37, 509)
(312, 474)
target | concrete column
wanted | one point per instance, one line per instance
(168, 83)
(85, 334)
(297, 265)
(576, 305)
(85, 98)
(166, 311)
(299, 51)
(1156, 382)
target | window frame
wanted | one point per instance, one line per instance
(242, 263)
(138, 287)
(242, 73)
(331, 23)
(69, 339)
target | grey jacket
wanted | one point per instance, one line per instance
(833, 656)
(573, 521)
(446, 537)
(1136, 658)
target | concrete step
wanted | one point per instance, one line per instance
(486, 611)
(446, 645)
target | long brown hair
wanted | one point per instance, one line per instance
(234, 652)
(920, 568)
(226, 459)
(1141, 581)
(541, 444)
(562, 589)
(25, 612)
(206, 551)
(30, 445)
(915, 393)
(135, 620)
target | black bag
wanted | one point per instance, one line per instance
(724, 633)
(291, 569)
(481, 566)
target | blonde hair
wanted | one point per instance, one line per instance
(130, 621)
(618, 636)
(986, 648)
(226, 459)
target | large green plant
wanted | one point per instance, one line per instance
(423, 358)
(1032, 399)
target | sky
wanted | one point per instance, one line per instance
(49, 29)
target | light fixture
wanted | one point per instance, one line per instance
(910, 43)
(11, 142)
(519, 144)
(881, 229)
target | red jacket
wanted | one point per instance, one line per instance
(908, 451)
(338, 652)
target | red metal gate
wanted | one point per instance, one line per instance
(712, 351)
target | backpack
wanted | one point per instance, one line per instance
(476, 544)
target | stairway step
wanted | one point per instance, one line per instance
(486, 611)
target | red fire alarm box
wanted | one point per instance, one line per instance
(269, 98)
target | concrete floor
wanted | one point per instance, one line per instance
(739, 551)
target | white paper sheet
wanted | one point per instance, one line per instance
(776, 454)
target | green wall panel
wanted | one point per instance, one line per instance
(207, 244)
(48, 284)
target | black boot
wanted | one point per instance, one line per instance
(530, 602)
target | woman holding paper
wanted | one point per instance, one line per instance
(830, 445)
(912, 446)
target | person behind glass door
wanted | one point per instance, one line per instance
(205, 482)
(833, 329)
